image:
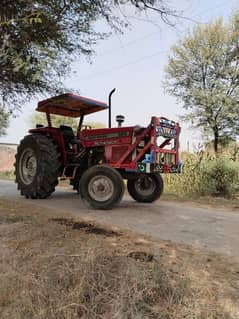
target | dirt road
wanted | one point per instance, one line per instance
(212, 229)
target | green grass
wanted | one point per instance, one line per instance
(204, 175)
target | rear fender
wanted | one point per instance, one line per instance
(56, 134)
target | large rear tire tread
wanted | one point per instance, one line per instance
(48, 166)
(113, 175)
(149, 198)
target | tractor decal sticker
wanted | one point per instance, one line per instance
(104, 136)
(100, 143)
(144, 167)
(158, 168)
(141, 167)
(166, 131)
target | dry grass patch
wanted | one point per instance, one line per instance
(56, 267)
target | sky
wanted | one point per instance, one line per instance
(134, 63)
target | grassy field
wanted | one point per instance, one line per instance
(53, 266)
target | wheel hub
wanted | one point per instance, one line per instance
(101, 188)
(28, 166)
(145, 186)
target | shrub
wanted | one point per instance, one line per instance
(188, 182)
(205, 175)
(220, 177)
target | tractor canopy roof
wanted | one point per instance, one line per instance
(70, 105)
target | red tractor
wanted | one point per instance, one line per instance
(97, 161)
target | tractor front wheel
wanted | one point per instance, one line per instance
(37, 166)
(145, 188)
(101, 187)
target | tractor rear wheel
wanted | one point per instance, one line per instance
(37, 166)
(101, 187)
(145, 188)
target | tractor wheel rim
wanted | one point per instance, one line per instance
(145, 186)
(27, 166)
(101, 188)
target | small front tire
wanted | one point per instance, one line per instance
(145, 188)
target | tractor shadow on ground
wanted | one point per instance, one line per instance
(127, 201)
(69, 202)
(74, 200)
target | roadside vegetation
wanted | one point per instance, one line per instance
(53, 266)
(8, 175)
(206, 175)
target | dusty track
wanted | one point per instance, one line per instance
(212, 229)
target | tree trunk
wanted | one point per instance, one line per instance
(216, 141)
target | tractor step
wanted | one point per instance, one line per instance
(64, 175)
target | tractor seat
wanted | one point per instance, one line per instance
(68, 135)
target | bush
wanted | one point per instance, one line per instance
(220, 177)
(205, 175)
(188, 182)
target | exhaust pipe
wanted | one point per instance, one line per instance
(110, 95)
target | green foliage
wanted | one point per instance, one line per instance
(186, 183)
(227, 146)
(39, 39)
(4, 116)
(205, 175)
(203, 73)
(220, 177)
